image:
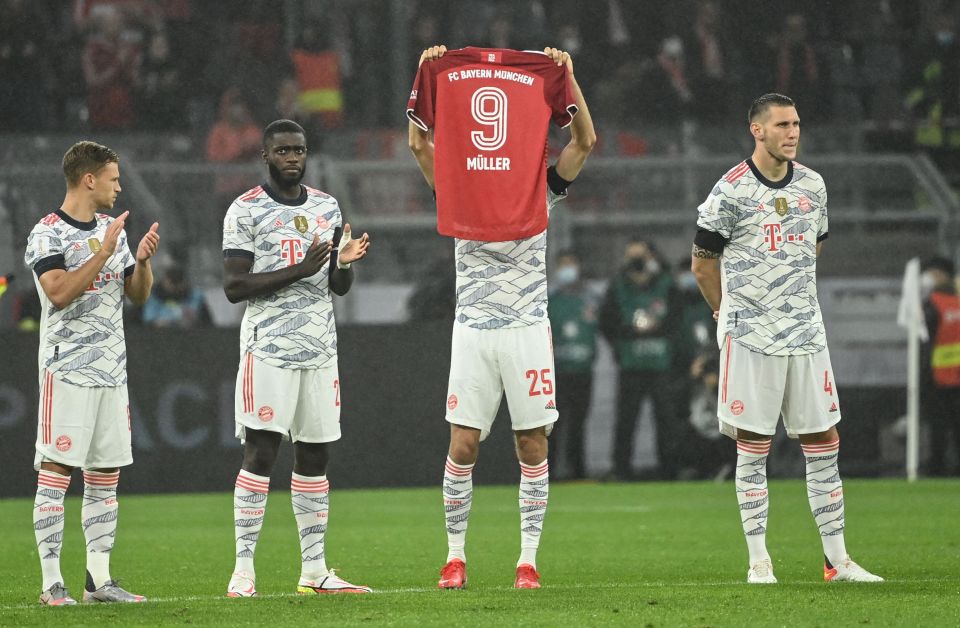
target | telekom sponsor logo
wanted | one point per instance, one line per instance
(291, 250)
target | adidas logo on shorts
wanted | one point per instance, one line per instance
(550, 405)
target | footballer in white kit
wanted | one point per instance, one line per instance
(755, 255)
(501, 333)
(83, 267)
(286, 248)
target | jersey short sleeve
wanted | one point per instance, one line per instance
(717, 213)
(44, 250)
(238, 231)
(563, 105)
(420, 106)
(125, 254)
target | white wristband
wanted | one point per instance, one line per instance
(344, 241)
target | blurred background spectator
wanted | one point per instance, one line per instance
(573, 324)
(638, 318)
(160, 100)
(175, 303)
(111, 63)
(941, 375)
(25, 69)
(235, 138)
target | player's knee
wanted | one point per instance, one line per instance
(531, 446)
(464, 444)
(464, 453)
(259, 460)
(311, 459)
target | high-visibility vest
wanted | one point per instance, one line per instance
(318, 75)
(945, 360)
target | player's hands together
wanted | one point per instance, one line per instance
(432, 54)
(112, 235)
(560, 57)
(355, 249)
(315, 257)
(149, 243)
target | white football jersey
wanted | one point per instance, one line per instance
(770, 260)
(83, 343)
(503, 284)
(294, 326)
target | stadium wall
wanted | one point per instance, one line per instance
(394, 378)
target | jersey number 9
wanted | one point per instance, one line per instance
(489, 108)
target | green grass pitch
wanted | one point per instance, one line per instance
(628, 554)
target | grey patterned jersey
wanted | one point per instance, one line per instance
(83, 343)
(503, 284)
(294, 326)
(769, 263)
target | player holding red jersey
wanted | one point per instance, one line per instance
(486, 160)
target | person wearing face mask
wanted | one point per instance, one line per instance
(934, 80)
(638, 319)
(692, 370)
(940, 397)
(573, 321)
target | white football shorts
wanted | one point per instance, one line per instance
(83, 426)
(756, 390)
(485, 363)
(301, 404)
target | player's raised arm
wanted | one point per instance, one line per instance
(583, 136)
(420, 140)
(349, 250)
(62, 287)
(421, 144)
(239, 284)
(138, 285)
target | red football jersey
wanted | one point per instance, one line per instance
(490, 110)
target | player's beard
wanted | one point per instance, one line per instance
(285, 177)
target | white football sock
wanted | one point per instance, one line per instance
(751, 484)
(48, 524)
(534, 491)
(99, 514)
(457, 499)
(311, 504)
(249, 506)
(825, 494)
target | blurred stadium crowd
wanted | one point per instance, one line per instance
(172, 65)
